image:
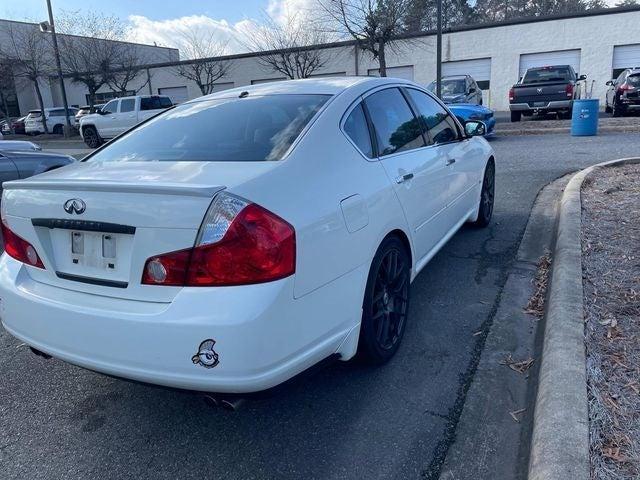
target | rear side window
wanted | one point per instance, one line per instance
(127, 105)
(355, 126)
(258, 128)
(440, 126)
(397, 129)
(165, 102)
(56, 113)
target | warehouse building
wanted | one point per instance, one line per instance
(597, 43)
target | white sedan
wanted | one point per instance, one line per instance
(238, 239)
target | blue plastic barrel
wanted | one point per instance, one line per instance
(584, 120)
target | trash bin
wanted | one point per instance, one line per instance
(584, 120)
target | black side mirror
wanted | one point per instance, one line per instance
(582, 77)
(474, 128)
(472, 90)
(609, 82)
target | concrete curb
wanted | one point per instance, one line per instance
(557, 130)
(560, 440)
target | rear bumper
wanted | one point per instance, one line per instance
(263, 336)
(549, 106)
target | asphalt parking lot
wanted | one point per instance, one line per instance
(347, 421)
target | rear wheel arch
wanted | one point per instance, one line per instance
(403, 238)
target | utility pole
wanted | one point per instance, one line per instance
(56, 52)
(439, 49)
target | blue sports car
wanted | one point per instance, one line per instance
(469, 111)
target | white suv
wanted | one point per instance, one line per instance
(55, 120)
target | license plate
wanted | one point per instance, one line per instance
(539, 104)
(91, 249)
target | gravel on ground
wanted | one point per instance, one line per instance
(611, 273)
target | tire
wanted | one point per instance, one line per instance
(487, 196)
(91, 137)
(386, 303)
(58, 130)
(607, 108)
(617, 110)
(516, 116)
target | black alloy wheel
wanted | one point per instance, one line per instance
(487, 196)
(91, 137)
(386, 302)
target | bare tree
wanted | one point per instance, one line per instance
(128, 67)
(92, 48)
(292, 46)
(373, 24)
(30, 54)
(6, 87)
(204, 69)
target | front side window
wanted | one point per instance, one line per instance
(440, 126)
(258, 128)
(127, 105)
(355, 126)
(111, 107)
(397, 129)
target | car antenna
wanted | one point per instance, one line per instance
(243, 94)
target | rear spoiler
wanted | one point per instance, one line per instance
(120, 187)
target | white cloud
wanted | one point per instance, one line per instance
(171, 33)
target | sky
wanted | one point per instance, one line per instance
(162, 22)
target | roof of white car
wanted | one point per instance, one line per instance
(309, 86)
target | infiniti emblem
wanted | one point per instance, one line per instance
(75, 205)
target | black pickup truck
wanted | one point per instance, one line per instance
(543, 90)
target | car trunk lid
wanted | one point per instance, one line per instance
(95, 225)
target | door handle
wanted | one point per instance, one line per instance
(404, 178)
(451, 161)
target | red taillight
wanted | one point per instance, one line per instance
(512, 94)
(247, 244)
(19, 248)
(569, 90)
(625, 87)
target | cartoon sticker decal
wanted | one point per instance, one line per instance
(206, 356)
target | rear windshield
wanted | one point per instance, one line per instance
(235, 129)
(547, 74)
(34, 114)
(634, 80)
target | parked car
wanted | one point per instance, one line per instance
(458, 89)
(467, 112)
(86, 110)
(119, 115)
(5, 127)
(18, 127)
(543, 90)
(19, 163)
(11, 145)
(55, 120)
(236, 240)
(623, 94)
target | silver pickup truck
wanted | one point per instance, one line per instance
(543, 90)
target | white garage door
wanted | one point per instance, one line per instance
(266, 80)
(334, 74)
(405, 73)
(626, 56)
(176, 94)
(562, 57)
(219, 87)
(479, 69)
